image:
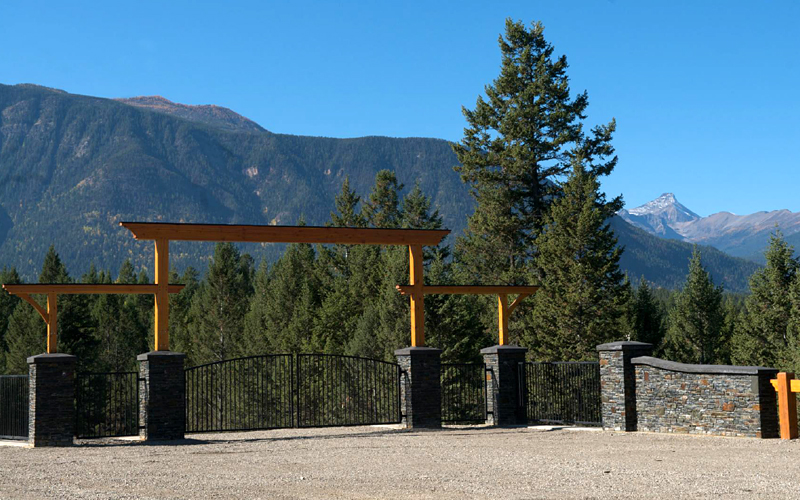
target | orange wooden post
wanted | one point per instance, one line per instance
(417, 296)
(52, 323)
(162, 295)
(502, 314)
(787, 406)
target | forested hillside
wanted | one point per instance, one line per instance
(72, 167)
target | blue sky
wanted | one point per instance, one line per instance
(705, 93)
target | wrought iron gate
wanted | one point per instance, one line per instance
(106, 404)
(464, 393)
(14, 407)
(562, 392)
(283, 390)
(251, 393)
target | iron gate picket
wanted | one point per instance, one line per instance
(252, 393)
(562, 392)
(464, 393)
(14, 406)
(106, 404)
(284, 390)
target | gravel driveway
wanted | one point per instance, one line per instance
(373, 462)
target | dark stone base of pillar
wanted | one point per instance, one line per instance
(421, 386)
(51, 405)
(162, 396)
(507, 404)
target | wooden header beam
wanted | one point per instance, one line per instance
(284, 234)
(87, 288)
(504, 309)
(52, 290)
(164, 232)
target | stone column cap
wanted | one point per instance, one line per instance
(410, 351)
(160, 354)
(52, 358)
(504, 349)
(624, 345)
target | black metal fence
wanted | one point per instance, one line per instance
(563, 392)
(249, 393)
(13, 406)
(106, 404)
(337, 390)
(463, 393)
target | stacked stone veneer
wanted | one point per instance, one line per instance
(51, 400)
(618, 383)
(705, 399)
(506, 402)
(162, 396)
(421, 386)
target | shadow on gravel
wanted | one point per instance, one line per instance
(450, 431)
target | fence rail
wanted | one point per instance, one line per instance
(107, 404)
(562, 392)
(252, 393)
(14, 406)
(335, 390)
(463, 393)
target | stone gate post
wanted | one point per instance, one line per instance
(51, 403)
(162, 396)
(421, 386)
(618, 383)
(507, 402)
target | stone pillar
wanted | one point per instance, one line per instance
(51, 404)
(618, 383)
(162, 396)
(506, 399)
(421, 386)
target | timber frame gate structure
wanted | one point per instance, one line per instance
(161, 391)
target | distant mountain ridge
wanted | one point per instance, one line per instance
(743, 236)
(216, 116)
(73, 166)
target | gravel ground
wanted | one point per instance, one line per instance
(373, 462)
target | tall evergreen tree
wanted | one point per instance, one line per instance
(7, 304)
(696, 331)
(648, 316)
(180, 329)
(518, 143)
(382, 208)
(793, 330)
(220, 305)
(761, 336)
(584, 294)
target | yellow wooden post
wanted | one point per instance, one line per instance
(787, 406)
(52, 323)
(502, 314)
(417, 296)
(162, 295)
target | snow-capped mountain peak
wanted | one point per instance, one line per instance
(665, 204)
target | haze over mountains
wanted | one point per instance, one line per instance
(740, 235)
(72, 167)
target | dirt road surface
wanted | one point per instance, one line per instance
(374, 462)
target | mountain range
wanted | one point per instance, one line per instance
(73, 166)
(744, 236)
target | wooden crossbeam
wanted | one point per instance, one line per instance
(284, 234)
(87, 288)
(53, 290)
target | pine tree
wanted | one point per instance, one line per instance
(382, 207)
(8, 303)
(219, 307)
(696, 331)
(180, 330)
(648, 316)
(584, 294)
(761, 336)
(347, 213)
(518, 143)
